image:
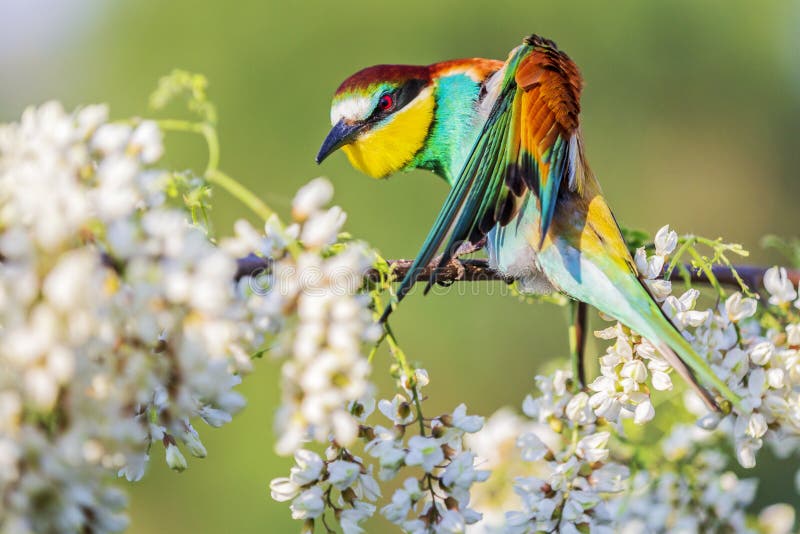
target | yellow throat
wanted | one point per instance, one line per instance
(388, 148)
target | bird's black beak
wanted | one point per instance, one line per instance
(341, 134)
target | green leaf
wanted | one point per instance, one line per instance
(635, 238)
(789, 248)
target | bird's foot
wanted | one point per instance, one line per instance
(454, 267)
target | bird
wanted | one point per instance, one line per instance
(506, 137)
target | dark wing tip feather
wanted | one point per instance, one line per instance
(515, 178)
(539, 42)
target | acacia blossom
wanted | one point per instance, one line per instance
(120, 325)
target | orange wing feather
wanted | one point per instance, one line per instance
(551, 88)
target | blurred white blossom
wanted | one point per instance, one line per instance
(120, 324)
(323, 345)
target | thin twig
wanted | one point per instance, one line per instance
(478, 270)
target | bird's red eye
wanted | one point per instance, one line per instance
(386, 103)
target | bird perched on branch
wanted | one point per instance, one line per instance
(506, 137)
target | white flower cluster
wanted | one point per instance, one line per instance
(631, 365)
(758, 357)
(310, 298)
(341, 482)
(571, 476)
(692, 492)
(118, 320)
(621, 391)
(651, 266)
(436, 501)
(760, 364)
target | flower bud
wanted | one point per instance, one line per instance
(175, 460)
(349, 496)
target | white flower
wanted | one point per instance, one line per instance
(398, 410)
(311, 198)
(610, 477)
(388, 451)
(308, 469)
(110, 138)
(398, 510)
(660, 289)
(746, 451)
(451, 521)
(594, 447)
(147, 141)
(776, 378)
(350, 519)
(214, 416)
(420, 380)
(342, 474)
(283, 489)
(175, 460)
(191, 439)
(134, 468)
(605, 401)
(649, 268)
(531, 447)
(776, 519)
(644, 411)
(345, 428)
(41, 388)
(461, 472)
(661, 380)
(665, 241)
(308, 504)
(739, 308)
(322, 228)
(756, 425)
(402, 501)
(780, 288)
(579, 410)
(635, 370)
(369, 486)
(793, 334)
(426, 452)
(761, 353)
(467, 423)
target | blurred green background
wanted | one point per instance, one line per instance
(691, 116)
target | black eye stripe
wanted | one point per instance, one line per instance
(401, 96)
(408, 92)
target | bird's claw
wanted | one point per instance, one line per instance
(465, 248)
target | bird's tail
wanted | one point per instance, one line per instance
(656, 327)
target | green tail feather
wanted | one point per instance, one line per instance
(656, 327)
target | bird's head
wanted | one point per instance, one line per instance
(381, 117)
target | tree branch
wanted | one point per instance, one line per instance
(478, 270)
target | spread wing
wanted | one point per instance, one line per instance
(528, 145)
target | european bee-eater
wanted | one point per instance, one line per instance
(506, 137)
